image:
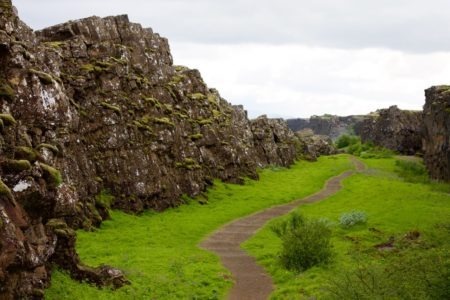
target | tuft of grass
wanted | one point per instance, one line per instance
(403, 217)
(159, 252)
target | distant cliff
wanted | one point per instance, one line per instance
(329, 125)
(395, 129)
(94, 107)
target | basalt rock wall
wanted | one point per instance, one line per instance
(327, 125)
(395, 129)
(436, 133)
(96, 107)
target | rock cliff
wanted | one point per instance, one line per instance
(436, 132)
(95, 115)
(328, 125)
(392, 128)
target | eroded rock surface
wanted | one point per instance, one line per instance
(436, 135)
(311, 146)
(94, 105)
(395, 129)
(327, 125)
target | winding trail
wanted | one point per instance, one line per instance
(252, 282)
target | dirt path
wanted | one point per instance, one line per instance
(252, 282)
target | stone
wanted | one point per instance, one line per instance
(96, 104)
(436, 132)
(394, 129)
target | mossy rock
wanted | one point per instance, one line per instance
(16, 165)
(55, 44)
(7, 119)
(5, 191)
(197, 96)
(164, 121)
(188, 164)
(204, 121)
(111, 107)
(51, 175)
(153, 101)
(104, 200)
(6, 91)
(27, 153)
(50, 147)
(196, 136)
(44, 77)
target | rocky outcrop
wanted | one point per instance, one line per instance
(275, 143)
(310, 146)
(328, 125)
(95, 115)
(436, 133)
(395, 129)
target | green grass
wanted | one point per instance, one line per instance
(393, 206)
(158, 251)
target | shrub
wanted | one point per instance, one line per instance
(346, 140)
(352, 218)
(305, 243)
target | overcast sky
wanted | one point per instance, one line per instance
(291, 58)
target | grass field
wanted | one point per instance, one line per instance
(397, 210)
(158, 251)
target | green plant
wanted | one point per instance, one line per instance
(346, 140)
(352, 218)
(305, 243)
(104, 199)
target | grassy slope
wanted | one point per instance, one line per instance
(393, 206)
(158, 251)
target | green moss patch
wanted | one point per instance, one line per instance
(52, 176)
(6, 91)
(26, 153)
(104, 199)
(197, 96)
(5, 191)
(50, 147)
(7, 119)
(111, 107)
(16, 165)
(44, 77)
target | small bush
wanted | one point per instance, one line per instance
(350, 219)
(346, 140)
(305, 243)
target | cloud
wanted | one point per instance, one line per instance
(292, 58)
(412, 26)
(295, 80)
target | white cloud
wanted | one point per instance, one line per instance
(294, 80)
(292, 57)
(409, 25)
